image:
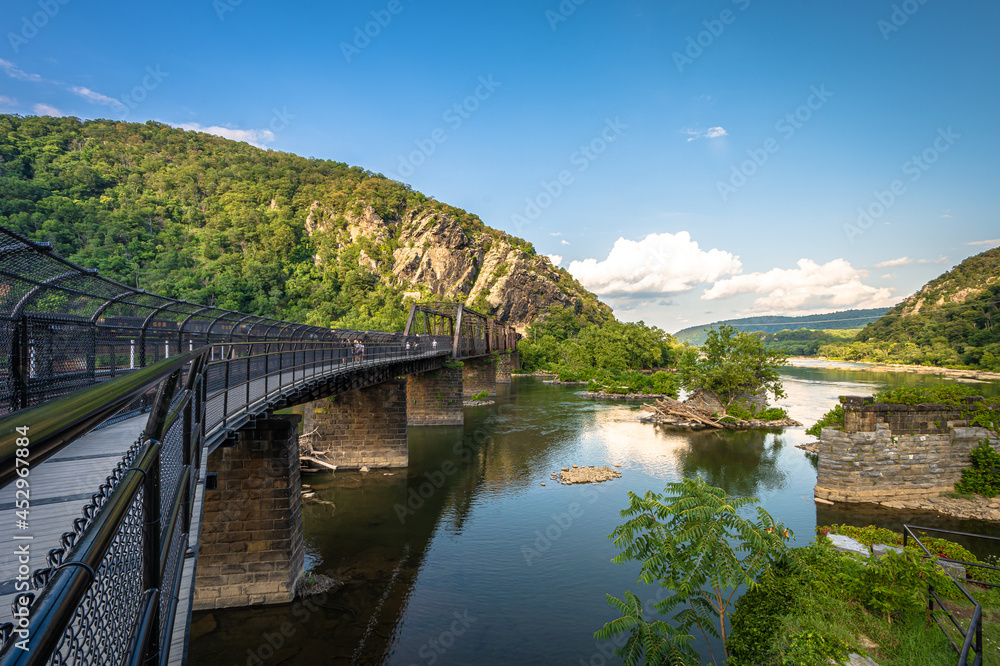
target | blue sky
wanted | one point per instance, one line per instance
(689, 161)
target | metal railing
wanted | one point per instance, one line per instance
(972, 638)
(78, 351)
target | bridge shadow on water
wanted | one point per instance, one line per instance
(370, 532)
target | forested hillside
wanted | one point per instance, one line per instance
(222, 223)
(952, 321)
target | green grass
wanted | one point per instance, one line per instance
(823, 604)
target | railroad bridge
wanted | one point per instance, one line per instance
(145, 470)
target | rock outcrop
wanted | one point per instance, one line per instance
(429, 254)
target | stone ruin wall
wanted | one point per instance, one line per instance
(888, 452)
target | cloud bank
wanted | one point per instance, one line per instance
(659, 263)
(835, 284)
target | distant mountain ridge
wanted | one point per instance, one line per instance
(696, 335)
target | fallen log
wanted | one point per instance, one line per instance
(320, 463)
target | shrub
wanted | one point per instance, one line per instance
(772, 414)
(983, 478)
(756, 620)
(832, 419)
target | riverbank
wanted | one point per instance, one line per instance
(864, 366)
(978, 508)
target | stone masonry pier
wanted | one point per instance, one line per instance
(888, 452)
(363, 427)
(251, 550)
(478, 375)
(435, 398)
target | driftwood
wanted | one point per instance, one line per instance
(310, 455)
(673, 410)
(317, 461)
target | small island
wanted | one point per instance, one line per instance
(729, 383)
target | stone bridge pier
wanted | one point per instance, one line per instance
(478, 375)
(251, 549)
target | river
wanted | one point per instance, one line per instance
(465, 558)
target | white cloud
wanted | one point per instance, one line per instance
(96, 97)
(556, 233)
(902, 261)
(939, 260)
(659, 263)
(564, 242)
(255, 137)
(710, 133)
(11, 70)
(991, 243)
(835, 284)
(7, 101)
(556, 259)
(46, 110)
(886, 276)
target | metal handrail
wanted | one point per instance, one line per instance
(973, 637)
(54, 425)
(83, 387)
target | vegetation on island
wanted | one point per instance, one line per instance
(699, 549)
(733, 364)
(633, 358)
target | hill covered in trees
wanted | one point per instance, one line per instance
(846, 319)
(952, 321)
(223, 223)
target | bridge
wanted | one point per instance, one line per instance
(144, 471)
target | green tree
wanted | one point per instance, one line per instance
(695, 543)
(735, 364)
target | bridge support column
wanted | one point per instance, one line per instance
(478, 375)
(503, 366)
(435, 398)
(251, 550)
(361, 427)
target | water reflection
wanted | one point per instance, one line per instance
(449, 534)
(741, 463)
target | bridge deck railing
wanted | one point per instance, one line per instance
(79, 351)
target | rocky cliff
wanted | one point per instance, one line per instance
(430, 254)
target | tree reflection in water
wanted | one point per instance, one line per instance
(740, 462)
